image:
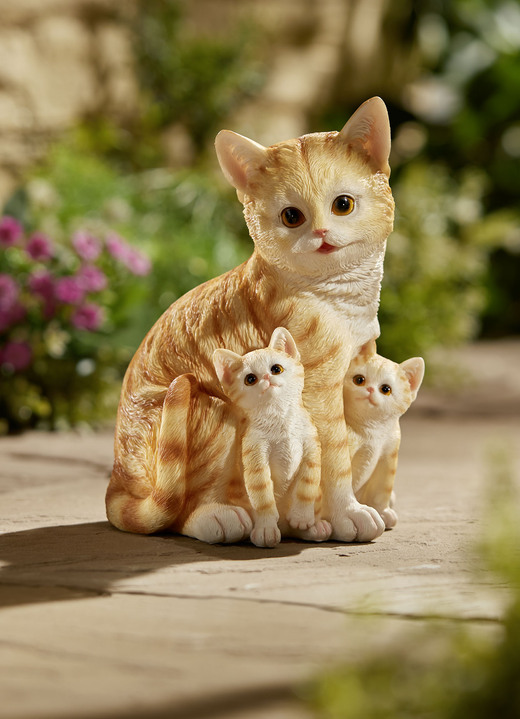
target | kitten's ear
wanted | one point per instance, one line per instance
(282, 340)
(226, 364)
(239, 158)
(368, 133)
(414, 370)
(368, 350)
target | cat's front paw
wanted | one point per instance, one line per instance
(218, 523)
(319, 532)
(266, 535)
(359, 523)
(389, 517)
(301, 517)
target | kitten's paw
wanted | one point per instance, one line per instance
(218, 523)
(389, 517)
(360, 523)
(319, 532)
(266, 536)
(301, 517)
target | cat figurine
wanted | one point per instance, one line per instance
(319, 209)
(280, 457)
(377, 392)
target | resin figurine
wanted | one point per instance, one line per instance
(279, 462)
(319, 210)
(377, 393)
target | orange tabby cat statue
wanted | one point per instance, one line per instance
(319, 209)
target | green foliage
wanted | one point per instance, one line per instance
(436, 260)
(447, 673)
(192, 79)
(187, 226)
(475, 66)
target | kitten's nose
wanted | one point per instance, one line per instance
(320, 233)
(369, 389)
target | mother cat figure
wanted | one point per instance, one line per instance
(319, 209)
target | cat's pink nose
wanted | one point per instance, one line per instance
(267, 376)
(320, 233)
(369, 389)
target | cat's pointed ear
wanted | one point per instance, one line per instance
(368, 350)
(414, 370)
(226, 365)
(282, 341)
(368, 133)
(239, 158)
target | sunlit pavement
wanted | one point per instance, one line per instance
(97, 623)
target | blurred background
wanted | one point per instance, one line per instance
(113, 204)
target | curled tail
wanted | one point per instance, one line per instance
(158, 509)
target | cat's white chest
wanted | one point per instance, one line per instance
(351, 300)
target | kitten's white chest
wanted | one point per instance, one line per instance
(285, 457)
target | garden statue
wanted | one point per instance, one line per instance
(319, 209)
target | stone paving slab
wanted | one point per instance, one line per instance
(98, 623)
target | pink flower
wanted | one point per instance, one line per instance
(16, 355)
(11, 316)
(39, 247)
(41, 283)
(92, 279)
(88, 317)
(137, 263)
(10, 231)
(116, 246)
(87, 246)
(9, 291)
(11, 309)
(132, 259)
(69, 291)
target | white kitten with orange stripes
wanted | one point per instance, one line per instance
(280, 455)
(377, 392)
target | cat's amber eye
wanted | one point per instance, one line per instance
(343, 205)
(359, 380)
(276, 369)
(292, 217)
(385, 389)
(250, 379)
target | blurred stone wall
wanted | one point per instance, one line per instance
(314, 50)
(59, 61)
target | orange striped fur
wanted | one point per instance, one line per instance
(177, 434)
(280, 457)
(377, 392)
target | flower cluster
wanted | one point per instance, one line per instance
(44, 283)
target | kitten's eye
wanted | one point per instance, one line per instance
(292, 217)
(250, 379)
(343, 205)
(277, 369)
(385, 389)
(359, 380)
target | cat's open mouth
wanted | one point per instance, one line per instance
(326, 249)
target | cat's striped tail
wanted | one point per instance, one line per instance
(158, 510)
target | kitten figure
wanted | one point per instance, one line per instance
(280, 454)
(319, 209)
(377, 393)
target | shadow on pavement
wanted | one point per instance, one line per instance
(85, 560)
